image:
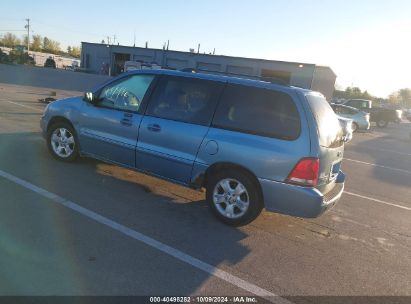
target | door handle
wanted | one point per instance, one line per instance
(154, 127)
(126, 122)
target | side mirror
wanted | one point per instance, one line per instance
(89, 97)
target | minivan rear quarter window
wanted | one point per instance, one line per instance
(258, 111)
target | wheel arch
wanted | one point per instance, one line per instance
(357, 126)
(57, 119)
(202, 178)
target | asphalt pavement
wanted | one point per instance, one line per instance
(91, 228)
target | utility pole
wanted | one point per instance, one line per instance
(27, 26)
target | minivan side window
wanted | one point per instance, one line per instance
(126, 94)
(185, 99)
(258, 111)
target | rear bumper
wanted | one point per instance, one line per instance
(300, 201)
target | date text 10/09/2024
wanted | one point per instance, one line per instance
(204, 299)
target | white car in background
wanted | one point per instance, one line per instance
(347, 127)
(361, 119)
(136, 65)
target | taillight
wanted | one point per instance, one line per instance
(305, 173)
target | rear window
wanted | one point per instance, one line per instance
(363, 104)
(344, 110)
(329, 128)
(258, 111)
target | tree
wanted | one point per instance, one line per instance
(25, 41)
(356, 91)
(36, 43)
(405, 97)
(393, 98)
(348, 91)
(353, 92)
(74, 51)
(10, 40)
(50, 46)
(401, 97)
(46, 44)
(366, 95)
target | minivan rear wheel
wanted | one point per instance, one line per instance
(234, 197)
(382, 123)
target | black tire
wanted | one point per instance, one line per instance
(253, 192)
(74, 147)
(381, 123)
(354, 127)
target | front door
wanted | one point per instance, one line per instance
(109, 129)
(176, 121)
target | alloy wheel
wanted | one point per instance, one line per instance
(231, 198)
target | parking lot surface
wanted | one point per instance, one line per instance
(91, 228)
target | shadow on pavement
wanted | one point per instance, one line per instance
(158, 209)
(387, 151)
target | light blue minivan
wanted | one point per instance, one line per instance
(251, 144)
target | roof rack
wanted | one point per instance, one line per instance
(262, 78)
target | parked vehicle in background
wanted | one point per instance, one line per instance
(381, 116)
(337, 100)
(407, 114)
(138, 65)
(347, 128)
(251, 144)
(73, 66)
(50, 63)
(361, 119)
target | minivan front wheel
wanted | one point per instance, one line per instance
(234, 197)
(62, 142)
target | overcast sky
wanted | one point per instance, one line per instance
(367, 43)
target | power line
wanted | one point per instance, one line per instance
(12, 30)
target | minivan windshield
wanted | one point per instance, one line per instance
(329, 128)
